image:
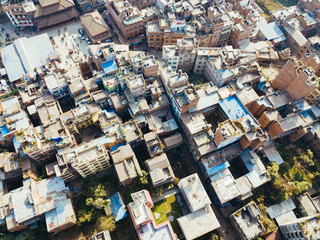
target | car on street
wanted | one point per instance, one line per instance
(81, 37)
(88, 40)
(80, 31)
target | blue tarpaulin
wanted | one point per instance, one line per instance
(114, 148)
(4, 130)
(218, 168)
(117, 207)
(109, 67)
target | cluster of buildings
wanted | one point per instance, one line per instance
(119, 100)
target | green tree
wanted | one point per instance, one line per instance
(268, 224)
(144, 178)
(159, 192)
(306, 157)
(99, 200)
(214, 236)
(299, 187)
(106, 223)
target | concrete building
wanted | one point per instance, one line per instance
(20, 13)
(127, 18)
(143, 220)
(153, 144)
(126, 164)
(201, 218)
(160, 170)
(57, 85)
(49, 198)
(49, 13)
(87, 159)
(146, 65)
(246, 222)
(166, 32)
(294, 78)
(222, 26)
(95, 27)
(302, 228)
(136, 85)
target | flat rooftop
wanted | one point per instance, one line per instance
(194, 192)
(198, 223)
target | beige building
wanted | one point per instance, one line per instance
(19, 12)
(137, 85)
(126, 164)
(87, 159)
(160, 170)
(95, 27)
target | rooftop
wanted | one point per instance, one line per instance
(248, 222)
(194, 192)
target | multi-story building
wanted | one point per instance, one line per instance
(222, 26)
(294, 78)
(187, 53)
(127, 18)
(57, 85)
(137, 85)
(201, 218)
(247, 221)
(95, 27)
(241, 31)
(126, 164)
(147, 65)
(166, 32)
(20, 13)
(302, 228)
(87, 160)
(141, 4)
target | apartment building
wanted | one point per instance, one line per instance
(142, 4)
(146, 65)
(160, 170)
(87, 159)
(127, 18)
(222, 26)
(20, 13)
(95, 27)
(166, 31)
(296, 79)
(136, 85)
(241, 31)
(201, 218)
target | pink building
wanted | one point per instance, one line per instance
(143, 221)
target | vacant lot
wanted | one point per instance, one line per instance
(168, 209)
(268, 6)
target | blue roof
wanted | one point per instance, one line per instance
(215, 169)
(4, 130)
(272, 32)
(117, 207)
(225, 73)
(109, 67)
(233, 108)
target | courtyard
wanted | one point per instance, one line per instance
(168, 209)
